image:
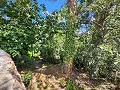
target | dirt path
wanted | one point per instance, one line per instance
(52, 78)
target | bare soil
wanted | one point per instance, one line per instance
(51, 77)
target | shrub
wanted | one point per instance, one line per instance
(71, 85)
(26, 78)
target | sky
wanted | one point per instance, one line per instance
(52, 5)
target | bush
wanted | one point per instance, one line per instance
(26, 78)
(101, 62)
(71, 85)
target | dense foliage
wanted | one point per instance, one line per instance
(99, 52)
(58, 37)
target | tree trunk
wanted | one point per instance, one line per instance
(69, 45)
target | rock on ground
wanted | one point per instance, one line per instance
(10, 79)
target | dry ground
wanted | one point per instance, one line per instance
(51, 77)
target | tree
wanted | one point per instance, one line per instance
(19, 26)
(69, 46)
(99, 52)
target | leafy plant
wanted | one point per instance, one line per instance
(71, 85)
(18, 32)
(26, 78)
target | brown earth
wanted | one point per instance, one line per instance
(51, 77)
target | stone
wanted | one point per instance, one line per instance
(10, 78)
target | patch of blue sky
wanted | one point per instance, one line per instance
(51, 5)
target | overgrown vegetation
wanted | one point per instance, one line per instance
(26, 78)
(71, 85)
(87, 39)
